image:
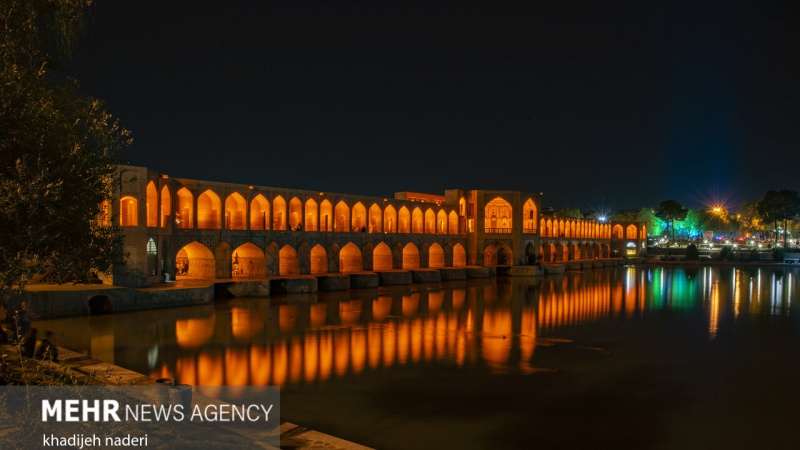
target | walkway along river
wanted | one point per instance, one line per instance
(649, 357)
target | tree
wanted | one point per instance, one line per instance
(670, 211)
(59, 152)
(571, 212)
(779, 206)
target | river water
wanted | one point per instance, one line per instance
(624, 357)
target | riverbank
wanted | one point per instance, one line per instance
(76, 369)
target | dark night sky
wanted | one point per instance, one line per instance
(593, 103)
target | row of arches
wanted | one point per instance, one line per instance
(248, 260)
(556, 252)
(631, 232)
(208, 212)
(574, 228)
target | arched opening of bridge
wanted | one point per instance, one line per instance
(435, 256)
(390, 219)
(195, 260)
(441, 222)
(375, 219)
(498, 216)
(166, 206)
(235, 212)
(617, 231)
(529, 215)
(416, 221)
(403, 220)
(278, 213)
(410, 256)
(99, 304)
(359, 217)
(631, 232)
(128, 211)
(342, 213)
(459, 256)
(430, 222)
(289, 262)
(259, 213)
(382, 257)
(549, 252)
(248, 261)
(311, 215)
(325, 216)
(497, 254)
(319, 260)
(530, 254)
(151, 205)
(350, 258)
(208, 210)
(295, 214)
(453, 223)
(184, 216)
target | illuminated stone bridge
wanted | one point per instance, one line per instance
(213, 230)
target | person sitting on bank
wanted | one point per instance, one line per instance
(46, 350)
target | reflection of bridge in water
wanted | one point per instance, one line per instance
(496, 325)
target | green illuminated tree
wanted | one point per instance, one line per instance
(59, 151)
(671, 211)
(779, 206)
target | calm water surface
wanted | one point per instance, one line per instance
(613, 358)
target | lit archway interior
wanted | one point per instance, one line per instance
(617, 231)
(497, 254)
(410, 256)
(235, 212)
(311, 215)
(208, 210)
(350, 258)
(289, 263)
(403, 220)
(375, 222)
(382, 257)
(325, 216)
(248, 261)
(152, 204)
(529, 216)
(435, 255)
(359, 217)
(430, 222)
(259, 213)
(631, 232)
(416, 221)
(459, 256)
(453, 226)
(342, 213)
(184, 216)
(498, 216)
(390, 219)
(319, 260)
(295, 214)
(278, 213)
(166, 206)
(196, 260)
(128, 211)
(441, 222)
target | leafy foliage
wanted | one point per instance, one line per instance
(58, 151)
(671, 211)
(779, 206)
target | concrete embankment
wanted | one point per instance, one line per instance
(47, 300)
